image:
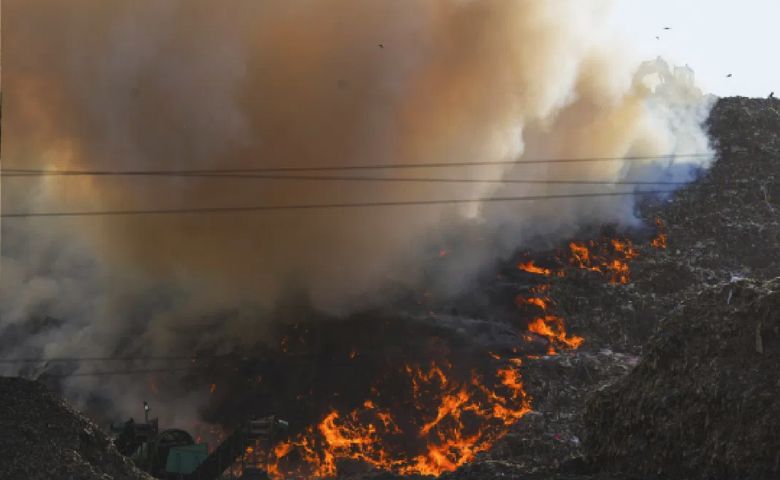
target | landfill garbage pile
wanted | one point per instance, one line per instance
(724, 225)
(547, 443)
(719, 230)
(699, 405)
(702, 403)
(41, 437)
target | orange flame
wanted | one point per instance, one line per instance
(619, 272)
(530, 267)
(536, 301)
(552, 328)
(452, 420)
(625, 247)
(463, 419)
(617, 268)
(581, 256)
(660, 240)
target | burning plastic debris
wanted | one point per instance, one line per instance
(449, 422)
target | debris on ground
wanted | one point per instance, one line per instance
(676, 379)
(702, 403)
(42, 438)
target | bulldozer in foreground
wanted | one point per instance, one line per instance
(173, 454)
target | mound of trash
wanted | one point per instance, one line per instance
(703, 401)
(41, 437)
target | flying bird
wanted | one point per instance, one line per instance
(728, 76)
(381, 45)
(667, 28)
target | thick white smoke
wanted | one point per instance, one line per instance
(187, 84)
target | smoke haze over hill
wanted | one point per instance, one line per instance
(183, 85)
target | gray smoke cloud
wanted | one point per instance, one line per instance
(188, 85)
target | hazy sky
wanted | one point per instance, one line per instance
(714, 37)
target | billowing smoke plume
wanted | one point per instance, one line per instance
(187, 84)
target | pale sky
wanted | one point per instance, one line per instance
(713, 37)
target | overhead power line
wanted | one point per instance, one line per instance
(321, 206)
(110, 373)
(279, 169)
(350, 178)
(287, 359)
(287, 356)
(112, 359)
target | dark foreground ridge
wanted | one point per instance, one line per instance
(703, 402)
(42, 438)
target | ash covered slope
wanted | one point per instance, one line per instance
(703, 401)
(43, 438)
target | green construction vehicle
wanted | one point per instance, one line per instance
(174, 455)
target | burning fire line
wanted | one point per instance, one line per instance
(452, 419)
(611, 258)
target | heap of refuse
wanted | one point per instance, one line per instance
(700, 313)
(703, 401)
(41, 437)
